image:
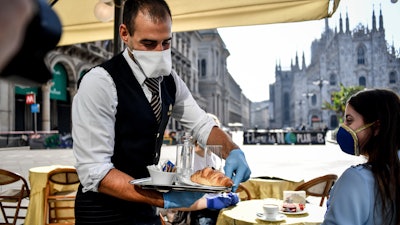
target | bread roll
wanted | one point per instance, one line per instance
(211, 177)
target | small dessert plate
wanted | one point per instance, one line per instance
(279, 217)
(294, 213)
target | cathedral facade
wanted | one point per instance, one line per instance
(358, 57)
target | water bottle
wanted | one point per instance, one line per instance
(185, 156)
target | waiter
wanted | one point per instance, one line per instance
(119, 114)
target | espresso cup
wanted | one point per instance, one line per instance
(270, 211)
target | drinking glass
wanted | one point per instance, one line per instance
(213, 157)
(184, 160)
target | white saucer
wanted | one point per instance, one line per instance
(279, 217)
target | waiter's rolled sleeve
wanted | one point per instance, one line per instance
(93, 117)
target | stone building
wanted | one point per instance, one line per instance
(199, 57)
(260, 115)
(358, 57)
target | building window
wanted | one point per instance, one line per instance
(362, 81)
(286, 107)
(314, 100)
(332, 80)
(361, 55)
(203, 67)
(392, 77)
(334, 121)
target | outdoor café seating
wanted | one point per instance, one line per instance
(59, 204)
(13, 189)
(245, 213)
(319, 186)
(260, 188)
(38, 179)
(244, 193)
(267, 189)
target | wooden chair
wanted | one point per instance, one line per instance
(12, 197)
(59, 200)
(319, 186)
(162, 219)
(244, 193)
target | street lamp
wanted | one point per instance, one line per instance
(105, 11)
(308, 95)
(301, 111)
(320, 83)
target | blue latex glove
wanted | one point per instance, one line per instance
(179, 199)
(236, 168)
(222, 200)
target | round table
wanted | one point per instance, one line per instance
(244, 213)
(38, 181)
(261, 188)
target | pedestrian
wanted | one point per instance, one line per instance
(172, 135)
(369, 193)
(119, 114)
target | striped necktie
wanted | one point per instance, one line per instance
(153, 85)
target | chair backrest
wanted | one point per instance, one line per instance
(162, 219)
(8, 177)
(60, 193)
(244, 193)
(319, 186)
(15, 190)
(63, 176)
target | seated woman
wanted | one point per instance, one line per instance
(369, 193)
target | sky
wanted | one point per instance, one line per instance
(255, 50)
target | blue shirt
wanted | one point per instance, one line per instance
(352, 199)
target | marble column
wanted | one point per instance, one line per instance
(46, 106)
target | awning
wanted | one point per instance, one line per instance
(80, 24)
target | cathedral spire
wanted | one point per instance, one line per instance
(326, 25)
(381, 21)
(347, 24)
(373, 21)
(393, 50)
(340, 24)
(297, 61)
(280, 67)
(303, 66)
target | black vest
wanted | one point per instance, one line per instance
(138, 136)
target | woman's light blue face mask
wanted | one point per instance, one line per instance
(347, 138)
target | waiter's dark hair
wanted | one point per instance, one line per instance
(157, 9)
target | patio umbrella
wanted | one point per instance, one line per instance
(80, 25)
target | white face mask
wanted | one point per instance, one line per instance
(154, 63)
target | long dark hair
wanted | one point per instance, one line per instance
(382, 107)
(157, 9)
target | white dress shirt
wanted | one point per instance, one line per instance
(93, 116)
